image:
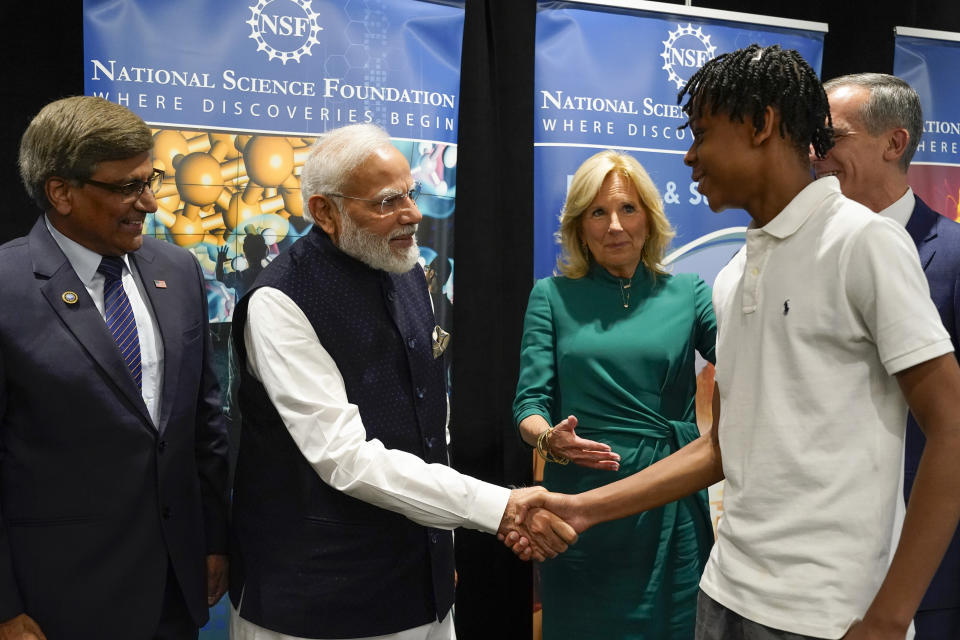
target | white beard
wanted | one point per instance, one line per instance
(374, 250)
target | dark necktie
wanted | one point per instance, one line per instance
(119, 315)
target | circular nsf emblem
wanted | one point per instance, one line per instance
(267, 28)
(685, 57)
(69, 297)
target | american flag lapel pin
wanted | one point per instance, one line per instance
(160, 284)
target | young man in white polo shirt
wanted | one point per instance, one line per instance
(825, 328)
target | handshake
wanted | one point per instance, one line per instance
(538, 524)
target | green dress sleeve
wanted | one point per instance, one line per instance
(705, 332)
(537, 381)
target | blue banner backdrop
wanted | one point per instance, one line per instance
(608, 78)
(236, 93)
(929, 63)
(280, 66)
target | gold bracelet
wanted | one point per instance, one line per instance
(540, 439)
(543, 448)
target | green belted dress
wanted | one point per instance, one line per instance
(628, 375)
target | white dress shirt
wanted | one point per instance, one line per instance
(901, 210)
(305, 386)
(85, 263)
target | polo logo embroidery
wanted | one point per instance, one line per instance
(786, 306)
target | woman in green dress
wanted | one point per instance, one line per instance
(608, 357)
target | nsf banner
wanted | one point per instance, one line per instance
(290, 66)
(928, 61)
(608, 78)
(238, 91)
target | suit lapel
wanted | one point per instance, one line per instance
(922, 227)
(58, 281)
(153, 271)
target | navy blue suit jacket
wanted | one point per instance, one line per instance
(95, 501)
(938, 243)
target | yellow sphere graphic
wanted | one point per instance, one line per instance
(198, 179)
(186, 232)
(268, 159)
(167, 145)
(240, 211)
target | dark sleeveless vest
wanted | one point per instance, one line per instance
(308, 560)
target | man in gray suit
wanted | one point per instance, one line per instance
(113, 453)
(877, 122)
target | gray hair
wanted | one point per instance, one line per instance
(335, 156)
(892, 104)
(71, 136)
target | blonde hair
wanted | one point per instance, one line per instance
(574, 261)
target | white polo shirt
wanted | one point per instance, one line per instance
(815, 314)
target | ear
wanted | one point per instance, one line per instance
(897, 141)
(325, 214)
(771, 125)
(59, 194)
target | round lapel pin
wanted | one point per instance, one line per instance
(69, 297)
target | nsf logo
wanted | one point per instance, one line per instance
(685, 51)
(284, 29)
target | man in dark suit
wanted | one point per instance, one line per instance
(113, 453)
(877, 122)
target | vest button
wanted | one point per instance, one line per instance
(431, 443)
(391, 295)
(411, 342)
(420, 393)
(166, 513)
(434, 538)
(161, 446)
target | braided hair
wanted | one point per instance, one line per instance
(746, 81)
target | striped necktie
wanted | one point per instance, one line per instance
(119, 315)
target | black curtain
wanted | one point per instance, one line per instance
(861, 36)
(494, 271)
(42, 51)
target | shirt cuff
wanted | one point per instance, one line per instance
(490, 501)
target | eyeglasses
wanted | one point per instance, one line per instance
(390, 204)
(131, 191)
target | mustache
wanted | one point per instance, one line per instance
(405, 230)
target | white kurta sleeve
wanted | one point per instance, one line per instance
(305, 386)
